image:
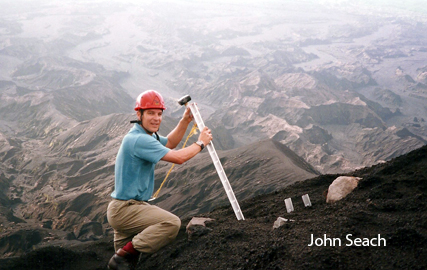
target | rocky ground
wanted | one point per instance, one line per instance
(390, 201)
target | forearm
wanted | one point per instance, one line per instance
(182, 155)
(176, 135)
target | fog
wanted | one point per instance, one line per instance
(147, 38)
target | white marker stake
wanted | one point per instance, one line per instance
(306, 200)
(289, 205)
(218, 165)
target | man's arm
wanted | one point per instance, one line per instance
(176, 135)
(182, 155)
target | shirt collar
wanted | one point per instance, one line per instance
(140, 129)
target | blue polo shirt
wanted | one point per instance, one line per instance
(135, 162)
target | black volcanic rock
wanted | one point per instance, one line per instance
(389, 201)
(50, 258)
(21, 241)
(388, 196)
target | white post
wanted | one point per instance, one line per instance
(289, 205)
(306, 200)
(218, 165)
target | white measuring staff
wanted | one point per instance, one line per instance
(218, 165)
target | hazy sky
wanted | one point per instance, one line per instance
(392, 6)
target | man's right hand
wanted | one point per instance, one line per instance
(205, 136)
(184, 154)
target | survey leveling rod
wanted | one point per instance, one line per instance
(217, 163)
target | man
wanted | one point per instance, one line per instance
(138, 226)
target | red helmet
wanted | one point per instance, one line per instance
(149, 99)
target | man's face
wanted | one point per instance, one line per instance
(151, 119)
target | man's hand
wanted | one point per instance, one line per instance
(205, 136)
(187, 116)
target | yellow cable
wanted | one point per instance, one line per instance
(192, 132)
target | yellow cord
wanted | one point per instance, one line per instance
(192, 132)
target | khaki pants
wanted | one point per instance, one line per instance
(148, 227)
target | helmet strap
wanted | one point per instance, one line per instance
(141, 112)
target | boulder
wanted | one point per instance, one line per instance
(341, 187)
(280, 222)
(197, 227)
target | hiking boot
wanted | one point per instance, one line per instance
(122, 260)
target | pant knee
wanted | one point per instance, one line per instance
(175, 225)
